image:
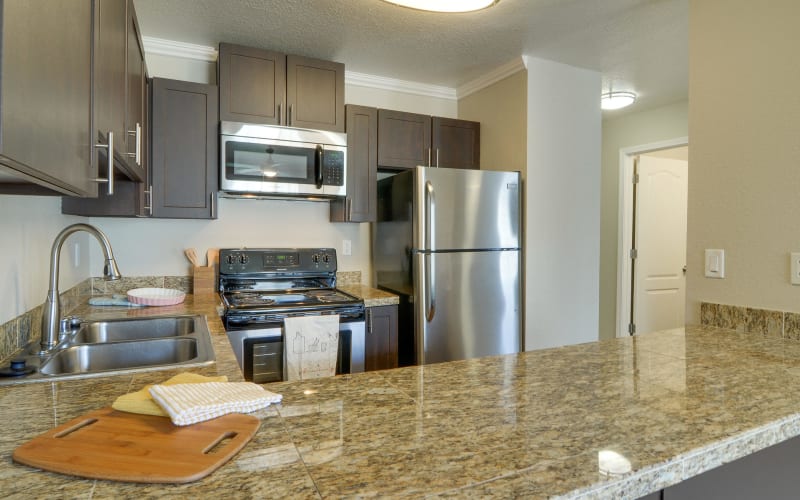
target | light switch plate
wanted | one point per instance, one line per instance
(347, 247)
(715, 263)
(794, 266)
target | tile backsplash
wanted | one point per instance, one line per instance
(765, 322)
(16, 333)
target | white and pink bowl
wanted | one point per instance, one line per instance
(156, 296)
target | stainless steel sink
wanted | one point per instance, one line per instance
(101, 348)
(134, 329)
(92, 358)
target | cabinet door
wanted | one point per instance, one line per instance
(381, 338)
(404, 139)
(110, 80)
(252, 84)
(46, 72)
(362, 167)
(134, 117)
(315, 94)
(456, 143)
(130, 198)
(184, 149)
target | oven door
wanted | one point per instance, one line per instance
(259, 350)
(273, 166)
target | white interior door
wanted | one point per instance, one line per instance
(659, 280)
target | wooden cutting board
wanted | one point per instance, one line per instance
(121, 446)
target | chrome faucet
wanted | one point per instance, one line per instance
(51, 316)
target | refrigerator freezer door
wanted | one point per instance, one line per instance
(466, 209)
(467, 305)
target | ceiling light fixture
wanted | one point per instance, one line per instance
(616, 99)
(445, 5)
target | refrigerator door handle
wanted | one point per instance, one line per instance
(430, 215)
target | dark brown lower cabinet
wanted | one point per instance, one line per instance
(769, 474)
(185, 144)
(381, 338)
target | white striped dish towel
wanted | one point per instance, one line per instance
(191, 403)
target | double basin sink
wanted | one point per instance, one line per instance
(118, 346)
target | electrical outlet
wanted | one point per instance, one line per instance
(347, 247)
(794, 266)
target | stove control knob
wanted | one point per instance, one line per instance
(315, 258)
(244, 259)
(326, 258)
(231, 259)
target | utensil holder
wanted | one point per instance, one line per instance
(204, 280)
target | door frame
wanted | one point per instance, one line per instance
(625, 224)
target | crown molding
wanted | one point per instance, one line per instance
(205, 53)
(164, 47)
(395, 85)
(490, 78)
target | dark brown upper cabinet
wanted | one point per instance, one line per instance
(252, 85)
(362, 167)
(128, 122)
(455, 143)
(271, 88)
(315, 94)
(46, 97)
(118, 66)
(404, 139)
(407, 140)
(185, 145)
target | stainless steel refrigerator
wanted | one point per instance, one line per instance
(448, 242)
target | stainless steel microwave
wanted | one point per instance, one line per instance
(269, 161)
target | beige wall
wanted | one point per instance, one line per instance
(501, 109)
(632, 129)
(744, 117)
(29, 225)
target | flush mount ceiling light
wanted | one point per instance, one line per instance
(616, 99)
(445, 5)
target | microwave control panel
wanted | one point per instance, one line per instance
(333, 168)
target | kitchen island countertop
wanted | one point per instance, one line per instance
(671, 404)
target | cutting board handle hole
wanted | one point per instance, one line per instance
(76, 427)
(220, 442)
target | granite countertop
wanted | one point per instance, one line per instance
(536, 424)
(372, 296)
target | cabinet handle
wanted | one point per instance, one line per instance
(213, 201)
(148, 196)
(289, 116)
(369, 321)
(279, 113)
(110, 148)
(138, 154)
(348, 208)
(429, 157)
(437, 157)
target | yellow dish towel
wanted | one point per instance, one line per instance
(142, 402)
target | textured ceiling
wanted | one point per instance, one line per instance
(639, 45)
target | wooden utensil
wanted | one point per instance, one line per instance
(212, 257)
(191, 254)
(120, 446)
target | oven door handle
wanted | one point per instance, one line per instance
(318, 166)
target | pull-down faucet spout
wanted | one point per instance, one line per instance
(51, 315)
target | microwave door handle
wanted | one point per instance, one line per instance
(318, 166)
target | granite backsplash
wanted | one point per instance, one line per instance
(765, 322)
